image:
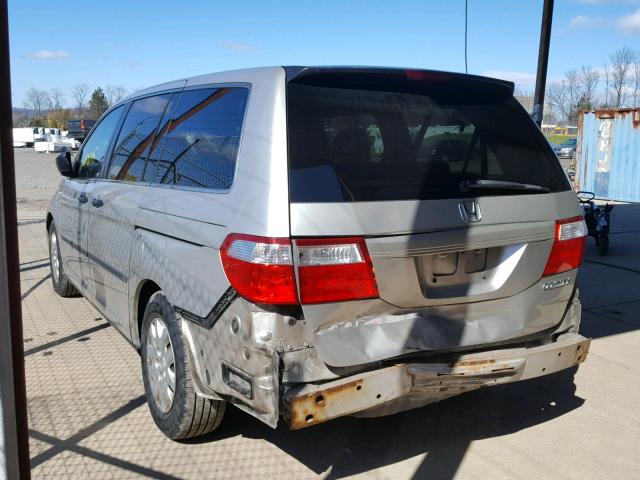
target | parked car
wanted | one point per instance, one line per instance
(309, 243)
(78, 129)
(566, 149)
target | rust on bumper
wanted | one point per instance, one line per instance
(415, 384)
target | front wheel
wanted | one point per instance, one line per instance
(178, 411)
(61, 284)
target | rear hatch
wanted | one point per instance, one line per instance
(456, 195)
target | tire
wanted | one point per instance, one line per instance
(61, 284)
(183, 413)
(603, 245)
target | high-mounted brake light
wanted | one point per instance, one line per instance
(260, 269)
(568, 246)
(426, 75)
(335, 270)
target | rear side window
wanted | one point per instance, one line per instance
(199, 146)
(136, 135)
(364, 142)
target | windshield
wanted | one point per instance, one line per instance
(365, 144)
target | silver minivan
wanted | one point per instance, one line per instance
(314, 242)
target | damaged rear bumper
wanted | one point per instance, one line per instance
(410, 385)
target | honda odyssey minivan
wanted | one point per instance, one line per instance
(307, 243)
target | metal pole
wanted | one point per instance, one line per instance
(543, 60)
(14, 440)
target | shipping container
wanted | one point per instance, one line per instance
(608, 156)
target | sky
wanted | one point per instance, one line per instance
(139, 43)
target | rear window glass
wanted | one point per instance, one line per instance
(200, 144)
(363, 143)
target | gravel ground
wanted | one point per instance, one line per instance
(37, 179)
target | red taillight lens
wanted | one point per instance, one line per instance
(568, 246)
(335, 270)
(260, 268)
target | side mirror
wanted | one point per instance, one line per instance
(63, 162)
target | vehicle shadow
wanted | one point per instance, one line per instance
(441, 431)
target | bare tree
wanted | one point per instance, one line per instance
(557, 96)
(590, 81)
(636, 80)
(56, 100)
(79, 93)
(564, 96)
(607, 77)
(524, 97)
(621, 62)
(574, 92)
(114, 93)
(36, 100)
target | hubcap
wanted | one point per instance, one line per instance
(161, 367)
(55, 259)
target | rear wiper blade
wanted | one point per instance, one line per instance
(467, 185)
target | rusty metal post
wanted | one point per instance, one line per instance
(543, 60)
(14, 441)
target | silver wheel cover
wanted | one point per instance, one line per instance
(161, 366)
(55, 259)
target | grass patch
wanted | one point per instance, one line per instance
(559, 138)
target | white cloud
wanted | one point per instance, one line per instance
(581, 21)
(236, 46)
(49, 55)
(629, 23)
(520, 78)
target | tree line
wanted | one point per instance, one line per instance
(615, 85)
(49, 108)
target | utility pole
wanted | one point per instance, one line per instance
(543, 60)
(14, 442)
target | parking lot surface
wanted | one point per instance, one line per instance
(88, 418)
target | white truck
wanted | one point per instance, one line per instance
(56, 143)
(27, 136)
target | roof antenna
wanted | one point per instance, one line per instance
(466, 5)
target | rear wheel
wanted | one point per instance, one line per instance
(61, 284)
(178, 411)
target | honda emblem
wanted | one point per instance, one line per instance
(470, 211)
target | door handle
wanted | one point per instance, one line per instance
(83, 198)
(96, 202)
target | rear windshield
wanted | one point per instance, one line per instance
(364, 142)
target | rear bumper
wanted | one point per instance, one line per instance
(404, 386)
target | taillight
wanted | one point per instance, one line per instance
(260, 269)
(568, 246)
(335, 270)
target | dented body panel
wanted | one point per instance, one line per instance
(404, 386)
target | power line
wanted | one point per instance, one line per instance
(466, 10)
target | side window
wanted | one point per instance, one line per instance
(96, 146)
(134, 142)
(200, 145)
(158, 141)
